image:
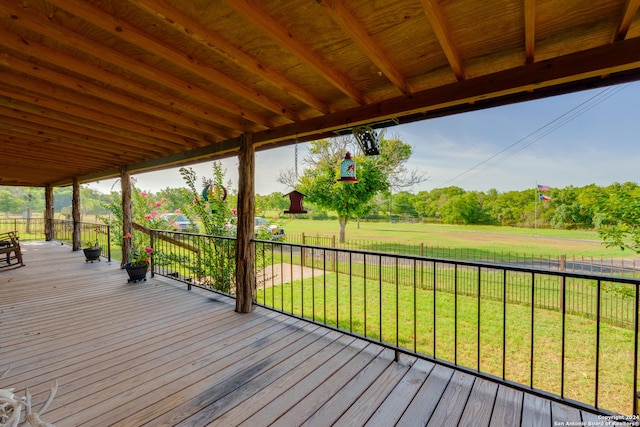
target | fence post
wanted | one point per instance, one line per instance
(151, 244)
(109, 243)
(303, 252)
(421, 265)
(334, 254)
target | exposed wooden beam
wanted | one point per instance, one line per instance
(36, 122)
(255, 14)
(99, 143)
(215, 42)
(121, 29)
(145, 98)
(588, 64)
(213, 151)
(42, 99)
(441, 29)
(530, 30)
(349, 25)
(567, 69)
(109, 99)
(630, 10)
(33, 21)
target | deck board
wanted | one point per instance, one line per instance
(154, 353)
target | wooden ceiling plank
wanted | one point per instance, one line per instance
(122, 30)
(438, 23)
(256, 15)
(529, 30)
(213, 41)
(138, 94)
(36, 154)
(58, 152)
(99, 145)
(630, 10)
(591, 63)
(103, 95)
(33, 21)
(84, 113)
(40, 122)
(338, 11)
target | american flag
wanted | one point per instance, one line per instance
(543, 188)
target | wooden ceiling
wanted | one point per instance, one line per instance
(88, 87)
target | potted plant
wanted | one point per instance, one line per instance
(138, 264)
(92, 251)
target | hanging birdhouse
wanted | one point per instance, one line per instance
(348, 170)
(295, 205)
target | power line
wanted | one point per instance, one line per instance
(553, 125)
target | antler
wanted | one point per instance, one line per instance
(33, 419)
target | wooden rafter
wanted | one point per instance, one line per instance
(35, 22)
(350, 26)
(88, 115)
(215, 42)
(530, 30)
(441, 29)
(630, 10)
(253, 13)
(118, 28)
(119, 101)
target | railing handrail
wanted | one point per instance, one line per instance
(511, 291)
(467, 263)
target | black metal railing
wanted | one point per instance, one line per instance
(516, 325)
(195, 259)
(27, 228)
(34, 229)
(507, 323)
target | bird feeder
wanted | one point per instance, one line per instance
(295, 203)
(348, 170)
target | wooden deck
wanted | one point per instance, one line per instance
(153, 353)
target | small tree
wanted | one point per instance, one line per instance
(216, 264)
(320, 182)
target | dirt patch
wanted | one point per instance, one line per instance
(277, 274)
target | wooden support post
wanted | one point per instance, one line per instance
(75, 213)
(245, 254)
(127, 216)
(48, 213)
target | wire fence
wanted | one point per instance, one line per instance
(572, 263)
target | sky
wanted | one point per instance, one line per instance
(589, 137)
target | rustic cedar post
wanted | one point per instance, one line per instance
(48, 213)
(127, 216)
(245, 254)
(75, 213)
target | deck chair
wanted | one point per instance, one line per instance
(10, 253)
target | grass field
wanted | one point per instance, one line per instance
(472, 332)
(541, 242)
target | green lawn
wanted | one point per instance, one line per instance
(371, 308)
(486, 239)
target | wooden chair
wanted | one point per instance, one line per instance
(9, 243)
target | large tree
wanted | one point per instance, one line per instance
(618, 217)
(375, 174)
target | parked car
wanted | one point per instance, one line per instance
(180, 222)
(262, 228)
